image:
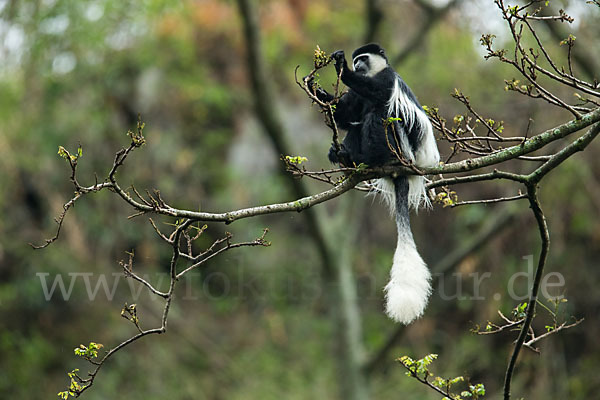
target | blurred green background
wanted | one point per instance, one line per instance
(254, 323)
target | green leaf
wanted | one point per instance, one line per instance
(297, 160)
(454, 381)
(478, 389)
(63, 152)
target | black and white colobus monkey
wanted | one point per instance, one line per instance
(376, 94)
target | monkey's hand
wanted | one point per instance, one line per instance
(317, 90)
(340, 60)
(340, 156)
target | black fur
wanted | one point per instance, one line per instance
(362, 112)
(372, 48)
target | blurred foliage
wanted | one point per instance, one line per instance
(253, 324)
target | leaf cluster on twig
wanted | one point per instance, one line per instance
(419, 370)
(518, 316)
(185, 257)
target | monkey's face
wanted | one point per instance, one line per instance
(361, 64)
(368, 64)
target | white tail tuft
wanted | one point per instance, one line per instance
(409, 287)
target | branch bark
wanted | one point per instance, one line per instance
(306, 202)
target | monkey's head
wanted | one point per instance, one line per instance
(369, 59)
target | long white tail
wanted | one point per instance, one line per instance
(409, 287)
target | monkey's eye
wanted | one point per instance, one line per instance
(361, 59)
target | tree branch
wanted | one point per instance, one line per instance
(545, 237)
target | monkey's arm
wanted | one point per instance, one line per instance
(345, 109)
(375, 88)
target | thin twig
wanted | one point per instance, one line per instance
(489, 201)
